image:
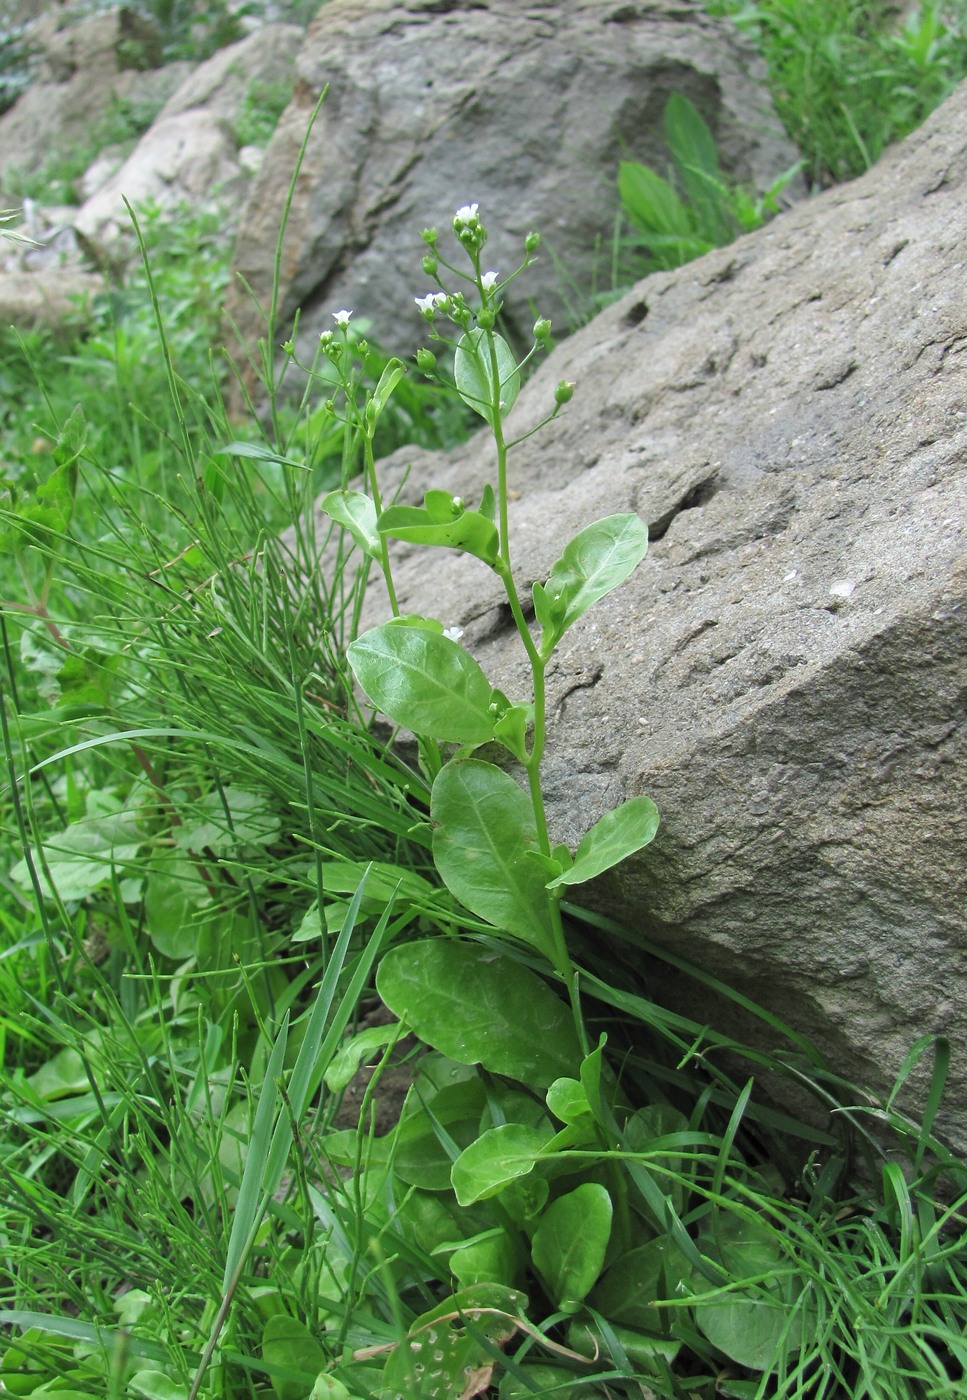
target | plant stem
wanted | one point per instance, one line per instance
(378, 503)
(558, 953)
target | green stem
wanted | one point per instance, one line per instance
(378, 503)
(558, 952)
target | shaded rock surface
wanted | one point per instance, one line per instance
(191, 152)
(524, 108)
(786, 674)
(86, 67)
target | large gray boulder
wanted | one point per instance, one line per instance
(786, 672)
(526, 109)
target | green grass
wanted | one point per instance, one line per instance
(847, 79)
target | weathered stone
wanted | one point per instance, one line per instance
(78, 82)
(222, 83)
(49, 298)
(190, 158)
(191, 154)
(527, 109)
(786, 672)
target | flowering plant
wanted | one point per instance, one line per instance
(490, 836)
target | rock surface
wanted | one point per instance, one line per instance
(87, 67)
(525, 108)
(786, 672)
(191, 153)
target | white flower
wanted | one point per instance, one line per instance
(341, 318)
(431, 303)
(466, 215)
(488, 281)
(454, 633)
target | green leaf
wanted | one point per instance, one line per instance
(530, 1381)
(484, 826)
(749, 1324)
(652, 1353)
(628, 1292)
(83, 857)
(259, 452)
(568, 1101)
(250, 822)
(473, 373)
(695, 154)
(155, 1385)
(361, 1046)
(596, 561)
(422, 1155)
(388, 380)
(357, 514)
(510, 729)
(616, 835)
(480, 1008)
(650, 202)
(441, 1351)
(174, 895)
(289, 1347)
(326, 1387)
(498, 1157)
(443, 520)
(571, 1241)
(63, 1073)
(425, 682)
(495, 1259)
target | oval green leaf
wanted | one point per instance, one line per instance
(498, 1157)
(425, 682)
(473, 373)
(571, 1241)
(615, 836)
(357, 514)
(751, 1324)
(467, 530)
(484, 827)
(596, 561)
(480, 1008)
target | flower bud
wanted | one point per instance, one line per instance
(485, 319)
(326, 339)
(564, 392)
(288, 347)
(429, 265)
(429, 236)
(542, 328)
(532, 242)
(425, 360)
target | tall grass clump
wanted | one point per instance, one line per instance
(849, 78)
(318, 1080)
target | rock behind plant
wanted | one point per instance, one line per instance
(785, 674)
(527, 109)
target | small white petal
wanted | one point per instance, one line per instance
(341, 318)
(488, 280)
(454, 633)
(465, 214)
